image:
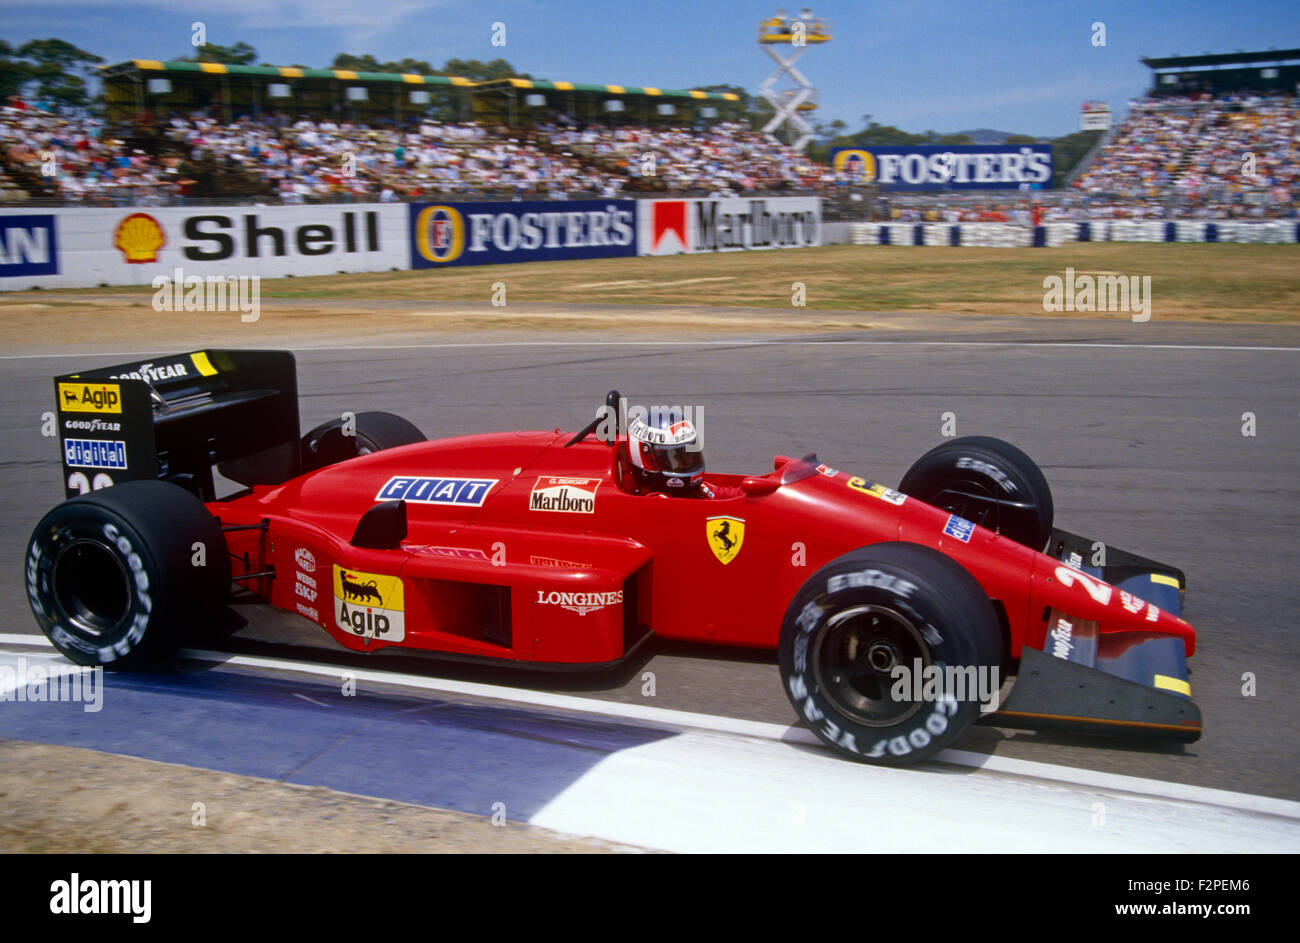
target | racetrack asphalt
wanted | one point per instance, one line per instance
(1138, 428)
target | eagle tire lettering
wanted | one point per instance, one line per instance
(108, 578)
(886, 596)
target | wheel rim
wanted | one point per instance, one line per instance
(92, 587)
(973, 500)
(854, 656)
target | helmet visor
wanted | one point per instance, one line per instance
(679, 459)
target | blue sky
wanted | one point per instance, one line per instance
(947, 65)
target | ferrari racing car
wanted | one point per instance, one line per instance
(897, 614)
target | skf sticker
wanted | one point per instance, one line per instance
(90, 398)
(877, 491)
(959, 528)
(726, 535)
(568, 495)
(369, 605)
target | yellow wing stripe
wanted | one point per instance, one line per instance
(204, 365)
(1173, 684)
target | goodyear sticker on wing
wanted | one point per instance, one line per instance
(90, 398)
(465, 492)
(959, 527)
(877, 491)
(369, 605)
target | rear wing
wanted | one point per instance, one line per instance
(175, 417)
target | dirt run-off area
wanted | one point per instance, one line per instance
(69, 800)
(752, 294)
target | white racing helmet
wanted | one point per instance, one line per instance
(664, 448)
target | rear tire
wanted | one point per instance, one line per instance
(870, 612)
(988, 482)
(117, 577)
(374, 431)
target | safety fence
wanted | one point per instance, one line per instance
(1059, 233)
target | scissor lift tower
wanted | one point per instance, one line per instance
(798, 33)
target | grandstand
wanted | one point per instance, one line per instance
(1217, 136)
(179, 132)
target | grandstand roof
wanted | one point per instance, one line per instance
(411, 78)
(1223, 58)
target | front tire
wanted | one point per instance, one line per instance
(988, 482)
(869, 613)
(117, 577)
(374, 431)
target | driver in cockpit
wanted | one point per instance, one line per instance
(666, 458)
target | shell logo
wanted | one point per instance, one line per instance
(139, 237)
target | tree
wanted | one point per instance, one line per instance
(14, 73)
(741, 110)
(239, 54)
(1069, 150)
(59, 70)
(482, 71)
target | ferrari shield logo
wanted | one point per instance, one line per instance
(726, 534)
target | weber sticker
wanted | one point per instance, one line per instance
(369, 605)
(566, 495)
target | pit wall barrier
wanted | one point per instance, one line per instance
(1056, 234)
(84, 247)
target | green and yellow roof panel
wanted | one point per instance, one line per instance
(412, 78)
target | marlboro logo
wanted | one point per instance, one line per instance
(567, 495)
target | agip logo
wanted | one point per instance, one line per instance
(439, 233)
(90, 398)
(369, 605)
(139, 237)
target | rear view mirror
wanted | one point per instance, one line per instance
(756, 486)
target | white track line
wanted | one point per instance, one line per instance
(774, 342)
(1110, 782)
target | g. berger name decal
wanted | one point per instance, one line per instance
(568, 495)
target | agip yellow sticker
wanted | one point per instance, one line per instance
(90, 398)
(369, 605)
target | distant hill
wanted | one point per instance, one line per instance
(987, 135)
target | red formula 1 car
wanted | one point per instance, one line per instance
(897, 614)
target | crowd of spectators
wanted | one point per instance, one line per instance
(728, 157)
(1195, 156)
(75, 158)
(79, 159)
(1232, 155)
